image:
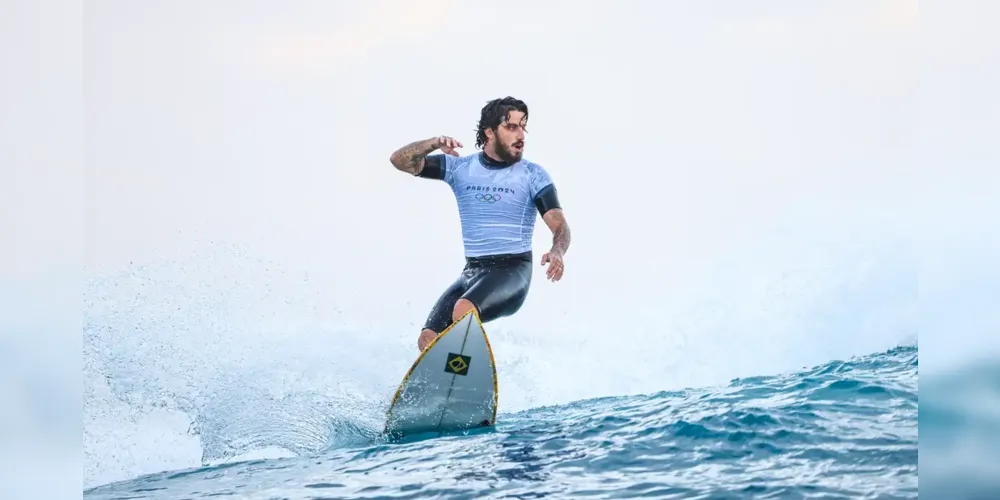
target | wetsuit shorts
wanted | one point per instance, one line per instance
(497, 285)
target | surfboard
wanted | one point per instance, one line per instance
(452, 386)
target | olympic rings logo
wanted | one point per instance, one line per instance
(487, 198)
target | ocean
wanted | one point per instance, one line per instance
(843, 429)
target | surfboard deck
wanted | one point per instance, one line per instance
(452, 385)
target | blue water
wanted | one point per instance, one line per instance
(845, 429)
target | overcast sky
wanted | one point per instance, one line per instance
(673, 130)
(670, 128)
(679, 133)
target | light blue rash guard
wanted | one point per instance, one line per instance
(497, 202)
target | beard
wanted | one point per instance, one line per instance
(508, 153)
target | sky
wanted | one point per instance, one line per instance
(684, 137)
(680, 135)
(671, 130)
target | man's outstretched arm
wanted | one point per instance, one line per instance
(410, 158)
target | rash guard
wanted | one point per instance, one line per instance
(497, 202)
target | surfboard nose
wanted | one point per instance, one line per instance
(451, 386)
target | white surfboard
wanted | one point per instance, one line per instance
(452, 386)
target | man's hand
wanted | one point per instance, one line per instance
(447, 145)
(555, 261)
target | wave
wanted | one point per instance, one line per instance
(223, 357)
(845, 428)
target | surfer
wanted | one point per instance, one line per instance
(498, 193)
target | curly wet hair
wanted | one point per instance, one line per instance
(494, 113)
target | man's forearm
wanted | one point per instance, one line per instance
(410, 158)
(561, 239)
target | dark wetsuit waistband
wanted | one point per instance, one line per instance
(500, 258)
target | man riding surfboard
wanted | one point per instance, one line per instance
(498, 193)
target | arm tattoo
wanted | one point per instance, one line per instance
(410, 158)
(561, 238)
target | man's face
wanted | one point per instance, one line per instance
(508, 141)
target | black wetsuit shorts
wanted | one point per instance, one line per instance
(496, 285)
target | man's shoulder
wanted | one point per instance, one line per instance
(536, 176)
(529, 166)
(534, 169)
(449, 164)
(460, 161)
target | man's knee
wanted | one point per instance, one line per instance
(462, 307)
